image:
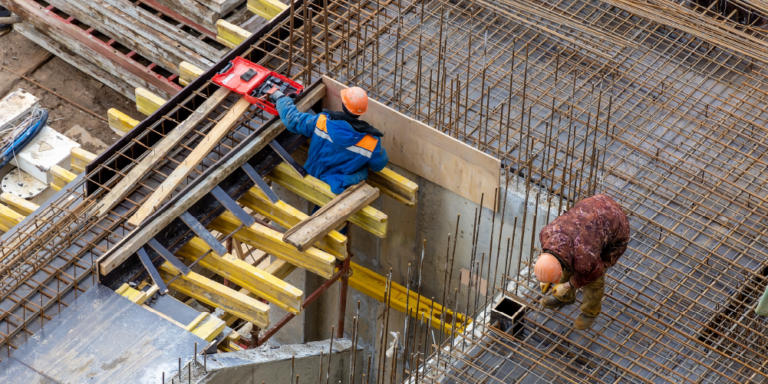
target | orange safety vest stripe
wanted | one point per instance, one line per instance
(368, 142)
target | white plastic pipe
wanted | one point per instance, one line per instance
(11, 20)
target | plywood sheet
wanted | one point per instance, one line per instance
(427, 152)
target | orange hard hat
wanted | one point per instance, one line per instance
(355, 99)
(547, 269)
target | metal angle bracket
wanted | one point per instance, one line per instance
(232, 206)
(162, 288)
(203, 233)
(260, 183)
(288, 158)
(168, 256)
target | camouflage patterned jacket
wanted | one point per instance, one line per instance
(589, 238)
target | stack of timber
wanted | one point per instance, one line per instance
(130, 44)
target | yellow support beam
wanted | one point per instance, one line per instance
(278, 268)
(229, 34)
(208, 327)
(270, 241)
(255, 280)
(318, 192)
(217, 295)
(147, 102)
(267, 9)
(80, 158)
(287, 216)
(188, 73)
(61, 177)
(395, 186)
(18, 204)
(374, 285)
(120, 122)
(135, 295)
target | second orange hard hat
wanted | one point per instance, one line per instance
(355, 99)
(548, 269)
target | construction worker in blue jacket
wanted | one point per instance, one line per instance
(343, 147)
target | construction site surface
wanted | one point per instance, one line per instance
(185, 241)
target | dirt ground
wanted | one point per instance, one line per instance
(17, 53)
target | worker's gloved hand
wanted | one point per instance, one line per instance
(544, 287)
(293, 95)
(276, 95)
(561, 289)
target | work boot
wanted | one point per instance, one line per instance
(583, 322)
(552, 302)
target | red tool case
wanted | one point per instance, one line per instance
(254, 82)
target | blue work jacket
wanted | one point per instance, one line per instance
(338, 155)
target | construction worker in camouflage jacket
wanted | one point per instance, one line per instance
(578, 247)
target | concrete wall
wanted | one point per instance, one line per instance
(433, 219)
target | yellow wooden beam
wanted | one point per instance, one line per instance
(229, 34)
(374, 285)
(188, 73)
(61, 177)
(278, 268)
(318, 192)
(270, 241)
(287, 216)
(395, 186)
(120, 122)
(147, 102)
(267, 9)
(208, 327)
(80, 158)
(217, 295)
(18, 204)
(255, 280)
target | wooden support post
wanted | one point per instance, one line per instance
(61, 177)
(18, 204)
(267, 9)
(319, 193)
(270, 241)
(160, 150)
(188, 73)
(148, 102)
(209, 142)
(287, 216)
(229, 34)
(245, 275)
(330, 216)
(120, 122)
(81, 158)
(217, 295)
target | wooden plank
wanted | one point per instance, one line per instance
(221, 6)
(287, 216)
(128, 246)
(217, 295)
(394, 185)
(229, 34)
(22, 206)
(427, 152)
(115, 80)
(206, 145)
(170, 28)
(120, 122)
(330, 216)
(160, 150)
(270, 241)
(255, 280)
(210, 327)
(193, 10)
(267, 9)
(278, 268)
(81, 158)
(374, 285)
(9, 218)
(318, 192)
(188, 73)
(42, 19)
(61, 177)
(128, 31)
(148, 102)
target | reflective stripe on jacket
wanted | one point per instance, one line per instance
(338, 155)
